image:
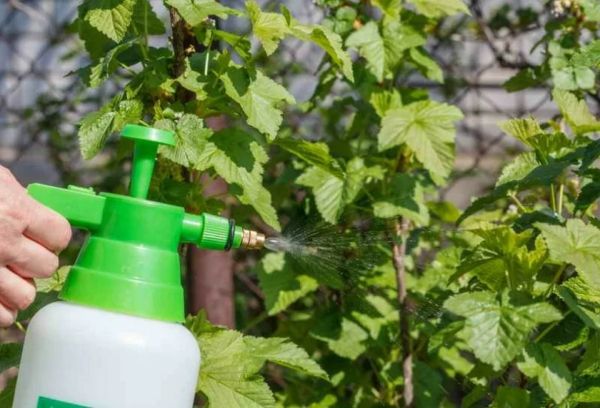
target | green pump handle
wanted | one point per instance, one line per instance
(130, 261)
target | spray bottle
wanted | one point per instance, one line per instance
(115, 338)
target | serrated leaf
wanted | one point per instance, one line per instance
(53, 283)
(496, 332)
(427, 65)
(577, 244)
(194, 12)
(384, 100)
(586, 314)
(333, 193)
(406, 199)
(259, 97)
(518, 169)
(238, 158)
(191, 138)
(281, 285)
(439, 8)
(145, 19)
(541, 361)
(576, 112)
(329, 42)
(315, 153)
(110, 17)
(522, 129)
(343, 336)
(590, 192)
(391, 8)
(93, 132)
(369, 43)
(511, 397)
(231, 363)
(269, 28)
(94, 75)
(428, 129)
(284, 353)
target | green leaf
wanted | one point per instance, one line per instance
(540, 176)
(384, 100)
(369, 43)
(592, 9)
(576, 112)
(259, 97)
(518, 169)
(588, 195)
(429, 391)
(577, 244)
(504, 259)
(427, 65)
(111, 17)
(329, 41)
(231, 363)
(522, 129)
(284, 353)
(10, 355)
(238, 158)
(586, 314)
(53, 283)
(439, 8)
(269, 28)
(343, 336)
(281, 285)
(496, 332)
(314, 153)
(94, 130)
(8, 394)
(96, 127)
(405, 199)
(191, 138)
(194, 12)
(427, 128)
(391, 8)
(545, 364)
(94, 75)
(511, 397)
(145, 19)
(333, 193)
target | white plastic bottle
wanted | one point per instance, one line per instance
(77, 356)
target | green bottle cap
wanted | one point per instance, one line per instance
(130, 260)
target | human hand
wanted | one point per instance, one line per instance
(30, 237)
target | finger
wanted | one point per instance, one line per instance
(7, 316)
(16, 293)
(31, 260)
(47, 227)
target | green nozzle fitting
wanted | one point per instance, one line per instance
(130, 262)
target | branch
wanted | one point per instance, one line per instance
(401, 228)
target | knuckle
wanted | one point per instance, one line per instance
(63, 236)
(7, 317)
(47, 268)
(27, 297)
(5, 174)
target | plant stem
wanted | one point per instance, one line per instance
(561, 192)
(553, 197)
(517, 202)
(555, 279)
(401, 227)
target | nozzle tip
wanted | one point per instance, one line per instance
(252, 239)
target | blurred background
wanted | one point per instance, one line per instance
(41, 103)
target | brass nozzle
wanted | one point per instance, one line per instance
(252, 239)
